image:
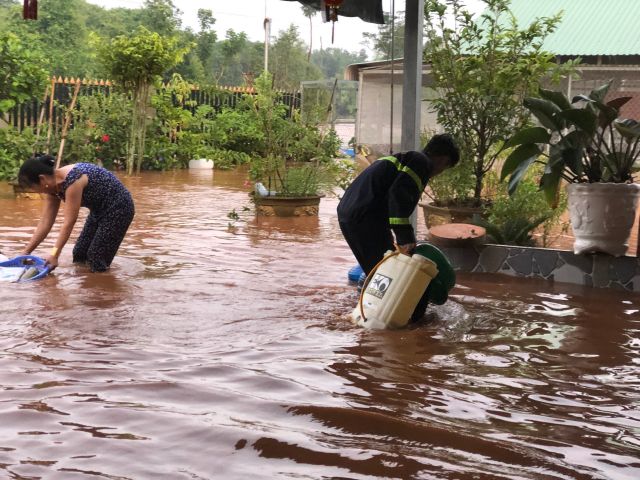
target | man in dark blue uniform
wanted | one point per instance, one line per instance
(382, 198)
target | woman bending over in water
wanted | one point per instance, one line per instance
(79, 185)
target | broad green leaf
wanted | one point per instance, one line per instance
(528, 135)
(528, 227)
(613, 163)
(598, 94)
(545, 111)
(520, 155)
(580, 98)
(575, 139)
(629, 129)
(519, 173)
(550, 182)
(617, 103)
(572, 158)
(571, 150)
(606, 114)
(583, 119)
(558, 98)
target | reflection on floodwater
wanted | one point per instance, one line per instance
(212, 350)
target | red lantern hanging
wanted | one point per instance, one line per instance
(331, 8)
(30, 9)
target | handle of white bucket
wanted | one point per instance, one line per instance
(370, 276)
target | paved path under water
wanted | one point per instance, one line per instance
(217, 353)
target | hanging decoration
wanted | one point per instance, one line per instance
(330, 9)
(30, 9)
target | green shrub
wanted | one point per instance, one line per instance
(100, 131)
(236, 129)
(513, 220)
(15, 148)
(292, 157)
(227, 159)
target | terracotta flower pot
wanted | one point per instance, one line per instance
(442, 215)
(602, 215)
(287, 206)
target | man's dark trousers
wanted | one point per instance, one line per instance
(369, 239)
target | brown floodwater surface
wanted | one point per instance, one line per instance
(211, 351)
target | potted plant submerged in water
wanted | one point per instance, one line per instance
(587, 145)
(293, 162)
(285, 190)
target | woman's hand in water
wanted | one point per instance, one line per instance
(51, 261)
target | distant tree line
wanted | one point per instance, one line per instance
(68, 34)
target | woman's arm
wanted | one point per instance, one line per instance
(47, 219)
(72, 203)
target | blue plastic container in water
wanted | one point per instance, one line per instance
(15, 269)
(355, 273)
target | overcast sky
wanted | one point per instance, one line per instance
(248, 16)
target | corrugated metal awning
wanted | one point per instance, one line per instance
(588, 27)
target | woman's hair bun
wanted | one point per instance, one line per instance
(46, 159)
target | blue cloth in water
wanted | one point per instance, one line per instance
(23, 269)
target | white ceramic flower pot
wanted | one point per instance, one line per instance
(602, 215)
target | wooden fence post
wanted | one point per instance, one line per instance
(49, 126)
(67, 121)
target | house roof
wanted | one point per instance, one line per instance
(588, 27)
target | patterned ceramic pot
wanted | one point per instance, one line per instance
(602, 215)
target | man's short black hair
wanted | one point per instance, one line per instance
(443, 145)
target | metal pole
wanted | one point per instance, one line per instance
(359, 109)
(267, 36)
(412, 85)
(393, 35)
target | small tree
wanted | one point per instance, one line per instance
(482, 70)
(134, 63)
(292, 156)
(22, 73)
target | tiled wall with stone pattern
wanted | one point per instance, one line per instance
(597, 270)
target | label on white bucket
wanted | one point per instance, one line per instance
(378, 285)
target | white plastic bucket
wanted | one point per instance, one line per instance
(393, 291)
(200, 164)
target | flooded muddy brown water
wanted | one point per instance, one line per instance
(212, 352)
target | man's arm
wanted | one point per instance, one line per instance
(404, 194)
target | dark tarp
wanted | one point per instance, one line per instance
(368, 10)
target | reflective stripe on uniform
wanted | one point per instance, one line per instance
(405, 169)
(399, 221)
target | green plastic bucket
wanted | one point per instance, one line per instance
(438, 289)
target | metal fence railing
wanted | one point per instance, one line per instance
(59, 93)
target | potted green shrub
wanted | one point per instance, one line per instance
(292, 160)
(481, 71)
(587, 145)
